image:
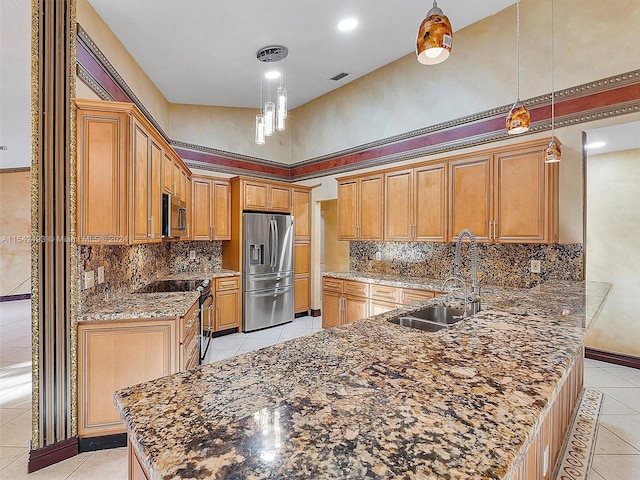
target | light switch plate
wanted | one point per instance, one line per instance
(89, 280)
(192, 254)
(535, 266)
(100, 274)
(378, 256)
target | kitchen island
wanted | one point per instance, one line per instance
(488, 398)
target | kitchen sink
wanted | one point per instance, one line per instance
(439, 314)
(418, 323)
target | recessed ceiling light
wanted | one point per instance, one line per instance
(272, 75)
(348, 24)
(592, 145)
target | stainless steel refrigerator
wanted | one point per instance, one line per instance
(267, 271)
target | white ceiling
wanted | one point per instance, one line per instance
(203, 51)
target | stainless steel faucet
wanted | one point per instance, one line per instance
(474, 262)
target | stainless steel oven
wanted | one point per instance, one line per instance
(206, 317)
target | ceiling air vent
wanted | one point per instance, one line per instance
(339, 76)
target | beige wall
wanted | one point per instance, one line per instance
(405, 95)
(612, 253)
(336, 252)
(123, 62)
(15, 231)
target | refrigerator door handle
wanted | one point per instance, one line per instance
(277, 243)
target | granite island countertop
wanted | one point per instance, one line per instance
(368, 399)
(125, 306)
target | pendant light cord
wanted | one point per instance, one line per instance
(518, 47)
(553, 77)
(261, 102)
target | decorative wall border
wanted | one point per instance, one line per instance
(15, 170)
(604, 98)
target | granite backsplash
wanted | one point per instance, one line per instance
(501, 264)
(129, 267)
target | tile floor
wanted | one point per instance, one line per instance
(617, 453)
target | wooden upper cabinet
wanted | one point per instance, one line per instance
(200, 209)
(266, 196)
(142, 205)
(102, 177)
(523, 196)
(210, 208)
(348, 209)
(123, 166)
(471, 197)
(430, 203)
(360, 208)
(302, 213)
(416, 203)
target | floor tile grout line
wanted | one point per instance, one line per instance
(600, 425)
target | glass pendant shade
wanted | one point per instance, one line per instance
(280, 120)
(269, 118)
(282, 101)
(519, 119)
(260, 129)
(552, 154)
(435, 37)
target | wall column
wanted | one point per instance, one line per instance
(54, 295)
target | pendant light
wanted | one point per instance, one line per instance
(272, 115)
(553, 154)
(435, 37)
(519, 118)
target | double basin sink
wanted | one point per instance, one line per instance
(434, 318)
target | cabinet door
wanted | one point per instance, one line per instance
(182, 185)
(255, 195)
(102, 180)
(471, 197)
(201, 209)
(175, 178)
(371, 198)
(520, 197)
(376, 307)
(356, 309)
(348, 210)
(430, 204)
(301, 213)
(280, 199)
(227, 309)
(331, 309)
(301, 257)
(301, 297)
(221, 210)
(139, 212)
(398, 206)
(115, 355)
(167, 173)
(155, 191)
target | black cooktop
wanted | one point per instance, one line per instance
(170, 286)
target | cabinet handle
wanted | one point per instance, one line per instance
(495, 230)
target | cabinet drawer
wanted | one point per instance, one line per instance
(332, 284)
(409, 296)
(356, 288)
(191, 351)
(384, 292)
(227, 283)
(189, 321)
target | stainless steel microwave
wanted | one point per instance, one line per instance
(174, 216)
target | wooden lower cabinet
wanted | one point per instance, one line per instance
(136, 470)
(541, 458)
(331, 309)
(301, 290)
(376, 307)
(114, 354)
(227, 305)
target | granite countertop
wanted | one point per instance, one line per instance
(148, 305)
(391, 280)
(368, 399)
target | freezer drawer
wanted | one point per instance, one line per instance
(267, 281)
(267, 308)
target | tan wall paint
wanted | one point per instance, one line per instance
(336, 252)
(123, 62)
(15, 231)
(480, 74)
(230, 129)
(612, 253)
(83, 91)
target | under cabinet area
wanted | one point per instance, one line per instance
(114, 354)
